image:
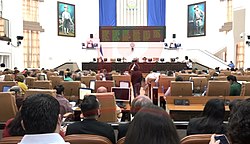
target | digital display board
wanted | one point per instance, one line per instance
(132, 33)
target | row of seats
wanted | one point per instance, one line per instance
(95, 139)
(9, 109)
(213, 88)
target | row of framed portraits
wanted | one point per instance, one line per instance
(196, 19)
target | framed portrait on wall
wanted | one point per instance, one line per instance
(196, 21)
(66, 19)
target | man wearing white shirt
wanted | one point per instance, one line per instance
(41, 120)
(66, 19)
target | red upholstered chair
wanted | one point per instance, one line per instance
(196, 139)
(108, 107)
(11, 140)
(121, 141)
(86, 139)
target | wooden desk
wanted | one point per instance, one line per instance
(123, 66)
(185, 113)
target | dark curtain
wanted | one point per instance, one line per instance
(156, 12)
(107, 12)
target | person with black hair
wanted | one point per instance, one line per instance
(233, 106)
(211, 120)
(20, 82)
(90, 109)
(238, 125)
(235, 87)
(65, 106)
(68, 77)
(41, 120)
(152, 125)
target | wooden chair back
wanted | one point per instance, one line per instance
(8, 108)
(164, 83)
(8, 77)
(199, 83)
(11, 140)
(108, 107)
(243, 78)
(42, 84)
(7, 83)
(87, 79)
(71, 89)
(29, 81)
(118, 78)
(121, 141)
(218, 88)
(181, 88)
(29, 92)
(86, 139)
(108, 84)
(56, 80)
(245, 89)
(196, 139)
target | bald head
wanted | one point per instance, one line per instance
(101, 90)
(138, 103)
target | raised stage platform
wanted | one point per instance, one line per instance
(123, 66)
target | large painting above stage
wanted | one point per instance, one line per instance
(132, 33)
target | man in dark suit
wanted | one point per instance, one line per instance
(136, 105)
(90, 109)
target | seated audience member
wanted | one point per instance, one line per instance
(235, 87)
(152, 125)
(170, 73)
(20, 82)
(18, 95)
(136, 105)
(68, 77)
(65, 106)
(41, 120)
(239, 125)
(211, 120)
(168, 92)
(42, 75)
(90, 109)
